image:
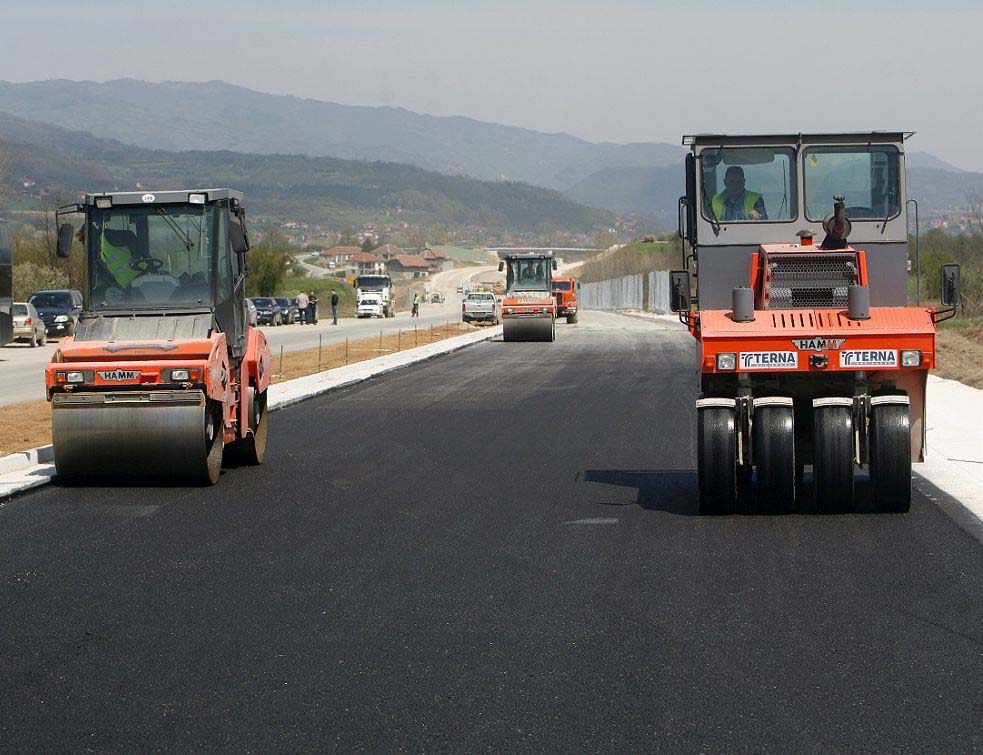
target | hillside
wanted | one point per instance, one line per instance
(218, 116)
(324, 190)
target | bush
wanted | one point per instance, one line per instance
(30, 277)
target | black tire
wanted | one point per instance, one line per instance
(717, 459)
(889, 452)
(251, 450)
(572, 319)
(832, 465)
(774, 457)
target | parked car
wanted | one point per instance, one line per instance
(267, 311)
(370, 306)
(481, 306)
(28, 325)
(250, 311)
(289, 309)
(60, 310)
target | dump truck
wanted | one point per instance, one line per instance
(380, 290)
(565, 291)
(528, 305)
(809, 351)
(164, 376)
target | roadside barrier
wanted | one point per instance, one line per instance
(628, 292)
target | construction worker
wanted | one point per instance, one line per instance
(735, 202)
(312, 308)
(334, 307)
(416, 304)
(117, 257)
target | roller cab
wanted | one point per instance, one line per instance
(528, 306)
(164, 378)
(810, 354)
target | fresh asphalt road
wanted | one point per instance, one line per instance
(22, 368)
(496, 550)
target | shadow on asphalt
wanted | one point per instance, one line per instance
(672, 491)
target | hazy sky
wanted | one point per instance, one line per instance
(617, 71)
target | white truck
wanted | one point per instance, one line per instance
(480, 306)
(380, 290)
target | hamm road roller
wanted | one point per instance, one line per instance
(809, 352)
(528, 307)
(164, 375)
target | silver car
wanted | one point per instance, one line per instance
(28, 325)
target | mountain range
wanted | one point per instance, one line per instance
(174, 117)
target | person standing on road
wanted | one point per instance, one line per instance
(302, 304)
(312, 303)
(334, 307)
(416, 304)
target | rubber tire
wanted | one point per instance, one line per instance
(251, 450)
(889, 455)
(716, 445)
(774, 458)
(832, 464)
(572, 319)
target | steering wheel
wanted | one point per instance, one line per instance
(145, 265)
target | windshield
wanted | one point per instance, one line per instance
(150, 256)
(748, 184)
(561, 285)
(264, 302)
(480, 297)
(371, 281)
(283, 302)
(869, 178)
(51, 300)
(529, 274)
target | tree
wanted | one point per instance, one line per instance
(368, 245)
(268, 262)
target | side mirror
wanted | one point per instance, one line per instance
(238, 235)
(501, 265)
(950, 285)
(66, 232)
(679, 300)
(555, 267)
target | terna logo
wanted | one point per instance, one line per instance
(818, 344)
(863, 358)
(769, 360)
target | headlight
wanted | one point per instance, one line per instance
(911, 358)
(61, 318)
(726, 361)
(179, 376)
(74, 377)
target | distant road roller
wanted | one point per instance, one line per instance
(529, 306)
(810, 354)
(164, 376)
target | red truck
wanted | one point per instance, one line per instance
(565, 292)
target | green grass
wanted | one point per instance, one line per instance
(632, 259)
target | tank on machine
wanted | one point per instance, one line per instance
(528, 306)
(810, 353)
(164, 376)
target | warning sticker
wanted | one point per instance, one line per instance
(861, 359)
(769, 360)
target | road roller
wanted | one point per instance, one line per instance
(528, 307)
(810, 353)
(164, 378)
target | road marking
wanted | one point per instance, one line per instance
(595, 520)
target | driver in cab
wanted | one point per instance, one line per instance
(736, 202)
(116, 253)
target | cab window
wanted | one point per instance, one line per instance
(869, 178)
(748, 184)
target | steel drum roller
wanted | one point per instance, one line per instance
(157, 435)
(528, 328)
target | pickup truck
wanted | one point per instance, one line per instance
(480, 306)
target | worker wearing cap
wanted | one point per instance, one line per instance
(117, 257)
(735, 202)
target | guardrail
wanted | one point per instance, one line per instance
(648, 292)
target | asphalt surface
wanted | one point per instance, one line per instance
(497, 550)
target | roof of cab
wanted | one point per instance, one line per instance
(163, 197)
(859, 137)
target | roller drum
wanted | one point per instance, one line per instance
(159, 436)
(528, 328)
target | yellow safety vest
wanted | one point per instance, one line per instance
(750, 200)
(117, 260)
